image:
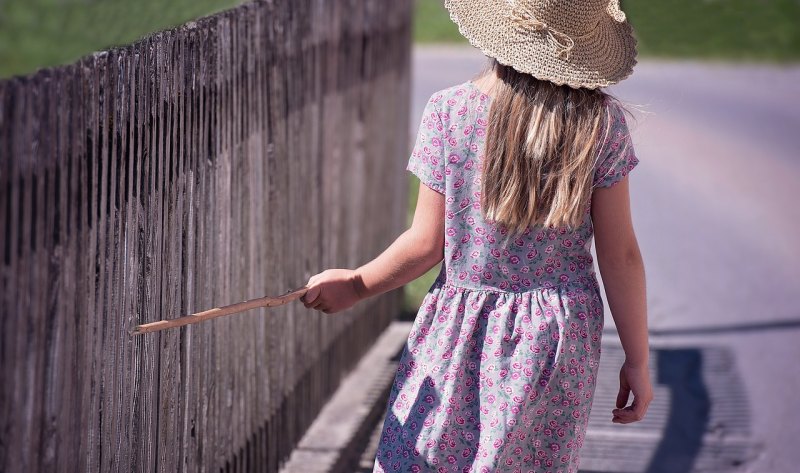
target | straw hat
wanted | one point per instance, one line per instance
(586, 43)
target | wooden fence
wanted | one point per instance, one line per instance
(229, 158)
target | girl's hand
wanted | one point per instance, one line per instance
(331, 291)
(636, 380)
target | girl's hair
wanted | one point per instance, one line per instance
(541, 144)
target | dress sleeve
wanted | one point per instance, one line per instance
(427, 159)
(617, 157)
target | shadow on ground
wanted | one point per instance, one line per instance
(699, 420)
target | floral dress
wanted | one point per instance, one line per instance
(498, 371)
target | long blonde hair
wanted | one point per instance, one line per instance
(540, 150)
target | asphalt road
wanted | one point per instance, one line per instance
(716, 203)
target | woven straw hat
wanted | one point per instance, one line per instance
(585, 43)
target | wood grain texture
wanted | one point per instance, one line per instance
(224, 160)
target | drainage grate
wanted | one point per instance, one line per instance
(698, 422)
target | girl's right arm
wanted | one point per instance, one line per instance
(622, 270)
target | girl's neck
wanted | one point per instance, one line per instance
(486, 82)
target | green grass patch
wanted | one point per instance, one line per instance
(760, 30)
(43, 33)
(727, 29)
(432, 23)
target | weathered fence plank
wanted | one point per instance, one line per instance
(226, 159)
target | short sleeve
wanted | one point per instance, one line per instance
(427, 159)
(617, 157)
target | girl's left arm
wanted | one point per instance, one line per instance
(412, 254)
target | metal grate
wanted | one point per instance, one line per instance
(698, 422)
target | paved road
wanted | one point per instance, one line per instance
(717, 211)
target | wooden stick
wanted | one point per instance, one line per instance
(220, 311)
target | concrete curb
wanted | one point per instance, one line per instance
(333, 442)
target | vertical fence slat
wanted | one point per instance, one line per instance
(147, 416)
(36, 215)
(13, 275)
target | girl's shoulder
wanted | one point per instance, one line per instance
(455, 92)
(458, 100)
(616, 156)
(616, 112)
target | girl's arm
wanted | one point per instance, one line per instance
(622, 270)
(412, 254)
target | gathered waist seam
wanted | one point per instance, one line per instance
(589, 279)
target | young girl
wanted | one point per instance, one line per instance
(521, 168)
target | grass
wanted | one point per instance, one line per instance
(42, 33)
(432, 23)
(754, 30)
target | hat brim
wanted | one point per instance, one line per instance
(601, 58)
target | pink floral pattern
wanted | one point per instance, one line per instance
(499, 368)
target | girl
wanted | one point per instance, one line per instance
(521, 169)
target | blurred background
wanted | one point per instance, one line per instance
(754, 30)
(715, 199)
(42, 33)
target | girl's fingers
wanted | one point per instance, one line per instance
(311, 296)
(312, 300)
(313, 280)
(624, 416)
(642, 395)
(622, 396)
(633, 413)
